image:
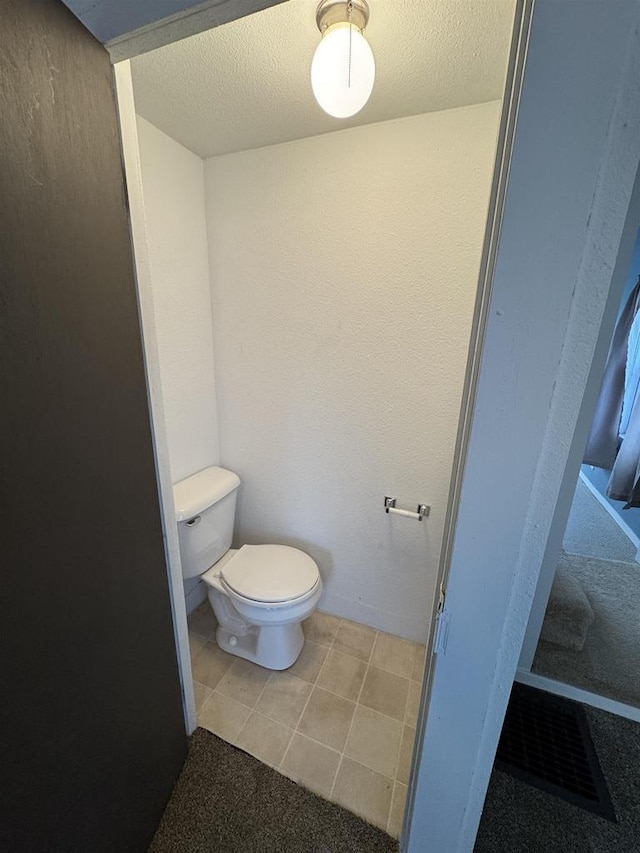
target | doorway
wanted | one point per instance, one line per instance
(581, 652)
(589, 639)
(311, 269)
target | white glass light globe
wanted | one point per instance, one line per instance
(342, 75)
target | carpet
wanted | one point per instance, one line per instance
(569, 615)
(518, 818)
(592, 532)
(608, 662)
(226, 801)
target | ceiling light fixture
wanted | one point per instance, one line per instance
(343, 68)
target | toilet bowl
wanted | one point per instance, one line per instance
(260, 594)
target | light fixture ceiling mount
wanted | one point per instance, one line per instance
(330, 12)
(343, 67)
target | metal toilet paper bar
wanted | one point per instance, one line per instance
(422, 511)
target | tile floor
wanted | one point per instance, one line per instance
(341, 721)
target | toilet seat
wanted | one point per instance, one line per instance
(268, 575)
(271, 605)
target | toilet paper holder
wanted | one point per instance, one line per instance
(421, 512)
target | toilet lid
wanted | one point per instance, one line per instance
(270, 573)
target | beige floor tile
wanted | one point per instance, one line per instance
(394, 655)
(202, 693)
(202, 620)
(196, 642)
(385, 692)
(223, 716)
(413, 703)
(311, 764)
(321, 628)
(397, 809)
(374, 740)
(418, 664)
(284, 698)
(210, 664)
(265, 739)
(327, 718)
(310, 662)
(244, 682)
(406, 753)
(342, 674)
(355, 640)
(364, 792)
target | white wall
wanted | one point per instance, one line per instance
(180, 298)
(173, 188)
(344, 271)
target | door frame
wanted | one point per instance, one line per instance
(574, 163)
(172, 29)
(523, 13)
(124, 88)
(140, 252)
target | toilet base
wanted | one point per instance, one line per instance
(272, 637)
(271, 646)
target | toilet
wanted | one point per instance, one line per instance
(259, 593)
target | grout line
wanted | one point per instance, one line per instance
(284, 754)
(393, 797)
(206, 701)
(264, 687)
(346, 741)
(326, 658)
(230, 699)
(357, 703)
(377, 666)
(373, 647)
(395, 772)
(266, 684)
(313, 686)
(406, 705)
(337, 752)
(333, 693)
(319, 742)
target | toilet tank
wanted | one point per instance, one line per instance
(205, 506)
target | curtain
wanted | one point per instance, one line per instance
(604, 438)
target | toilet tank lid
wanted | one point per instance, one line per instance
(200, 491)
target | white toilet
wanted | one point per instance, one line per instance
(259, 593)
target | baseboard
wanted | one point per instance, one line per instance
(578, 694)
(604, 503)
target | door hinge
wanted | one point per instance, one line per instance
(442, 625)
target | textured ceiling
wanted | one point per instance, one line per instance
(246, 84)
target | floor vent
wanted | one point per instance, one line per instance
(546, 742)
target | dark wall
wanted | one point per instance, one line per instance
(91, 728)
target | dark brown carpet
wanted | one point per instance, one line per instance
(226, 801)
(518, 818)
